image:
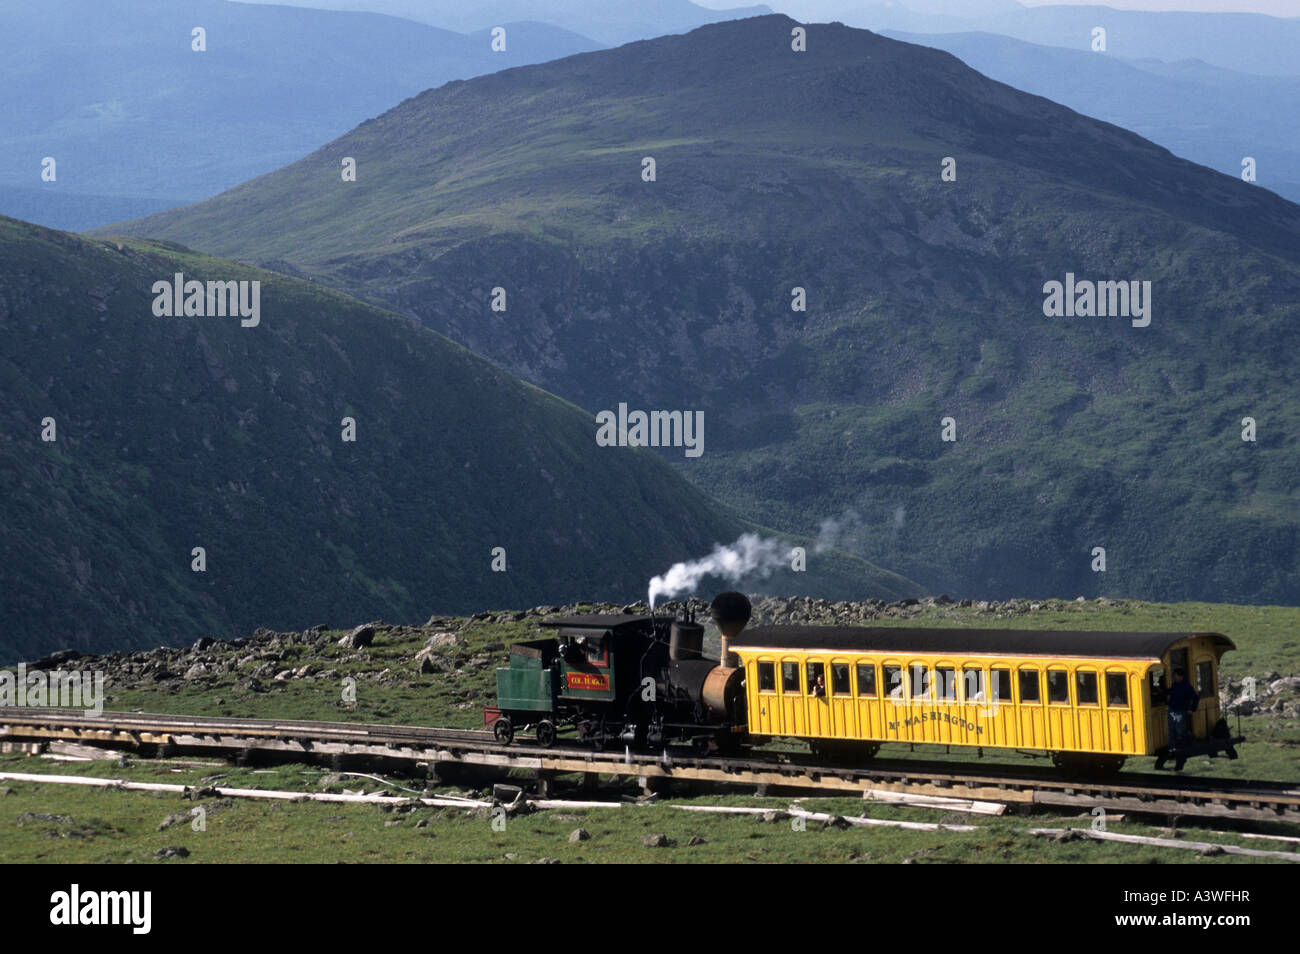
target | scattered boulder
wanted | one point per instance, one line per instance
(657, 841)
(172, 851)
(359, 638)
(579, 834)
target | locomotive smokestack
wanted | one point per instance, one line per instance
(730, 611)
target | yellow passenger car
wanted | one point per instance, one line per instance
(1091, 699)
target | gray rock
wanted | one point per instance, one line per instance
(579, 834)
(361, 636)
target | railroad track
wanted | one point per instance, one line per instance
(1137, 793)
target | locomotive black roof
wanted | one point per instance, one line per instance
(1010, 642)
(597, 621)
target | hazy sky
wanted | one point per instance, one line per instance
(1277, 8)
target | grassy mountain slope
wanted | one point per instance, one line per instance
(822, 170)
(136, 113)
(175, 433)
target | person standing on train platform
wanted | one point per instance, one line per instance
(1183, 701)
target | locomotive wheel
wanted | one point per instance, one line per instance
(503, 730)
(546, 733)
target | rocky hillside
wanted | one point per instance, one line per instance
(778, 170)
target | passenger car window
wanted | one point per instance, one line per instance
(946, 680)
(1029, 685)
(840, 679)
(1157, 685)
(1178, 660)
(1205, 679)
(866, 679)
(766, 677)
(921, 681)
(1058, 685)
(1085, 687)
(894, 682)
(1116, 689)
(789, 677)
(817, 679)
(1001, 684)
(973, 685)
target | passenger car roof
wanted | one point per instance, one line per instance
(1009, 642)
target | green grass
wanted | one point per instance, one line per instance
(114, 826)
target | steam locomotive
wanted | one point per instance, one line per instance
(635, 680)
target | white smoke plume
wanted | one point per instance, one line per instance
(761, 556)
(751, 554)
